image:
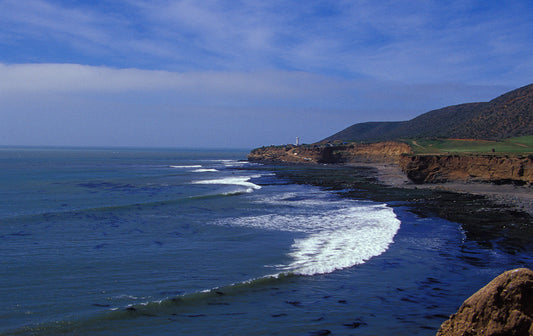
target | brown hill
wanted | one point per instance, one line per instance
(506, 116)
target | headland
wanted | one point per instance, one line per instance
(505, 178)
(470, 163)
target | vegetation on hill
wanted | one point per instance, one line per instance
(509, 115)
(519, 145)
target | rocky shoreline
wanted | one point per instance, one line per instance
(495, 216)
(515, 196)
(380, 152)
(505, 180)
(489, 214)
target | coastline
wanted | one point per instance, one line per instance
(496, 218)
(519, 198)
(493, 215)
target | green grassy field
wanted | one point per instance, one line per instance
(520, 145)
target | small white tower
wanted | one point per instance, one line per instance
(297, 141)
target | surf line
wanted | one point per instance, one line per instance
(347, 235)
(243, 181)
(339, 245)
(175, 306)
(186, 166)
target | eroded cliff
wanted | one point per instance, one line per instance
(419, 168)
(382, 152)
(497, 169)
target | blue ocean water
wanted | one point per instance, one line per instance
(195, 242)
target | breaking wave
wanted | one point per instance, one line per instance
(242, 181)
(336, 234)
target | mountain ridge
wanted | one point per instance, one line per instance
(508, 115)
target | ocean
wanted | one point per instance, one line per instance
(123, 241)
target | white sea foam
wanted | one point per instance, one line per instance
(234, 163)
(243, 181)
(344, 246)
(227, 161)
(306, 198)
(338, 233)
(205, 170)
(187, 166)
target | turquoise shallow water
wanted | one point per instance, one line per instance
(169, 242)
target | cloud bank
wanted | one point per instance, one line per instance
(44, 103)
(224, 73)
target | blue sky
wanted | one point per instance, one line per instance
(246, 73)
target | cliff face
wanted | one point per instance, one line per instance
(479, 168)
(289, 153)
(382, 152)
(420, 169)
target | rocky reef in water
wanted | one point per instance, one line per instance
(502, 307)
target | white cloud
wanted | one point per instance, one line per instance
(85, 105)
(45, 20)
(407, 41)
(50, 78)
(320, 65)
(245, 89)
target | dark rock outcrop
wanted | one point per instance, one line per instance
(504, 307)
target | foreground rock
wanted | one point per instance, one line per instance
(503, 307)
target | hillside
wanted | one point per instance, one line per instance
(509, 115)
(474, 142)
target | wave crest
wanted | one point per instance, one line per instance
(243, 181)
(347, 235)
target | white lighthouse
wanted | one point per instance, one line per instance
(297, 141)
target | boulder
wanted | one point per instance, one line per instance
(502, 307)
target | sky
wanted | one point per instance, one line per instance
(243, 74)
